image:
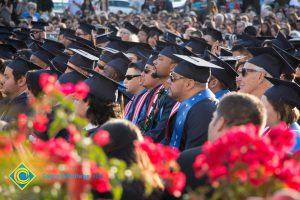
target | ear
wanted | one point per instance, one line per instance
(261, 77)
(190, 84)
(213, 83)
(220, 124)
(22, 81)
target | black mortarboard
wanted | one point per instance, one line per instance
(145, 28)
(5, 35)
(87, 28)
(281, 42)
(22, 66)
(225, 52)
(169, 52)
(102, 38)
(18, 44)
(53, 46)
(33, 80)
(263, 38)
(131, 27)
(84, 41)
(68, 33)
(83, 59)
(25, 53)
(106, 56)
(217, 35)
(34, 46)
(71, 77)
(139, 65)
(247, 41)
(293, 60)
(60, 62)
(38, 26)
(119, 62)
(43, 54)
(113, 28)
(21, 35)
(287, 91)
(194, 68)
(6, 28)
(143, 50)
(227, 75)
(102, 87)
(151, 59)
(198, 45)
(155, 30)
(7, 51)
(270, 60)
(172, 38)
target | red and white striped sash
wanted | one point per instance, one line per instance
(127, 107)
(153, 100)
(173, 112)
(138, 107)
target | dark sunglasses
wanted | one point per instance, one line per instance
(129, 77)
(245, 70)
(147, 71)
(174, 78)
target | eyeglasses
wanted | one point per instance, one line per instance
(174, 78)
(244, 71)
(129, 77)
(147, 71)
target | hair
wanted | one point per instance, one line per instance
(3, 64)
(123, 135)
(238, 47)
(17, 76)
(268, 32)
(241, 109)
(287, 113)
(134, 66)
(31, 5)
(100, 111)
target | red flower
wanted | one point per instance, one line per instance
(99, 179)
(22, 121)
(282, 138)
(81, 90)
(175, 183)
(47, 82)
(101, 138)
(40, 123)
(74, 133)
(67, 88)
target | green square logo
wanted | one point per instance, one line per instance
(22, 176)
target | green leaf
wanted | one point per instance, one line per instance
(117, 191)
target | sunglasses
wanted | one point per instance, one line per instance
(129, 77)
(244, 71)
(147, 71)
(174, 78)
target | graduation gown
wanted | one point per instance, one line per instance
(195, 131)
(10, 109)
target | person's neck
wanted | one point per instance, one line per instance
(191, 93)
(15, 95)
(216, 89)
(138, 91)
(259, 91)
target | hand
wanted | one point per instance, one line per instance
(216, 48)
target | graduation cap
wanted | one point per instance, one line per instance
(103, 87)
(60, 62)
(113, 28)
(5, 35)
(56, 70)
(21, 66)
(172, 38)
(227, 75)
(87, 28)
(18, 44)
(38, 26)
(215, 34)
(53, 46)
(145, 28)
(84, 41)
(68, 33)
(71, 77)
(34, 46)
(25, 53)
(270, 60)
(7, 51)
(33, 80)
(138, 65)
(263, 38)
(151, 59)
(43, 54)
(293, 60)
(248, 41)
(83, 59)
(198, 45)
(194, 68)
(102, 38)
(281, 42)
(22, 35)
(225, 52)
(169, 52)
(287, 91)
(133, 29)
(155, 30)
(6, 28)
(119, 62)
(142, 50)
(106, 56)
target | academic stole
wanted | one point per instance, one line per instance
(182, 113)
(173, 113)
(136, 102)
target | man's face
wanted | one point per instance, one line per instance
(176, 86)
(163, 65)
(132, 80)
(147, 80)
(80, 33)
(37, 61)
(10, 86)
(240, 28)
(109, 72)
(249, 80)
(142, 36)
(39, 35)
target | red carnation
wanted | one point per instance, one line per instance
(175, 183)
(74, 133)
(67, 88)
(47, 82)
(40, 123)
(101, 138)
(81, 90)
(99, 179)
